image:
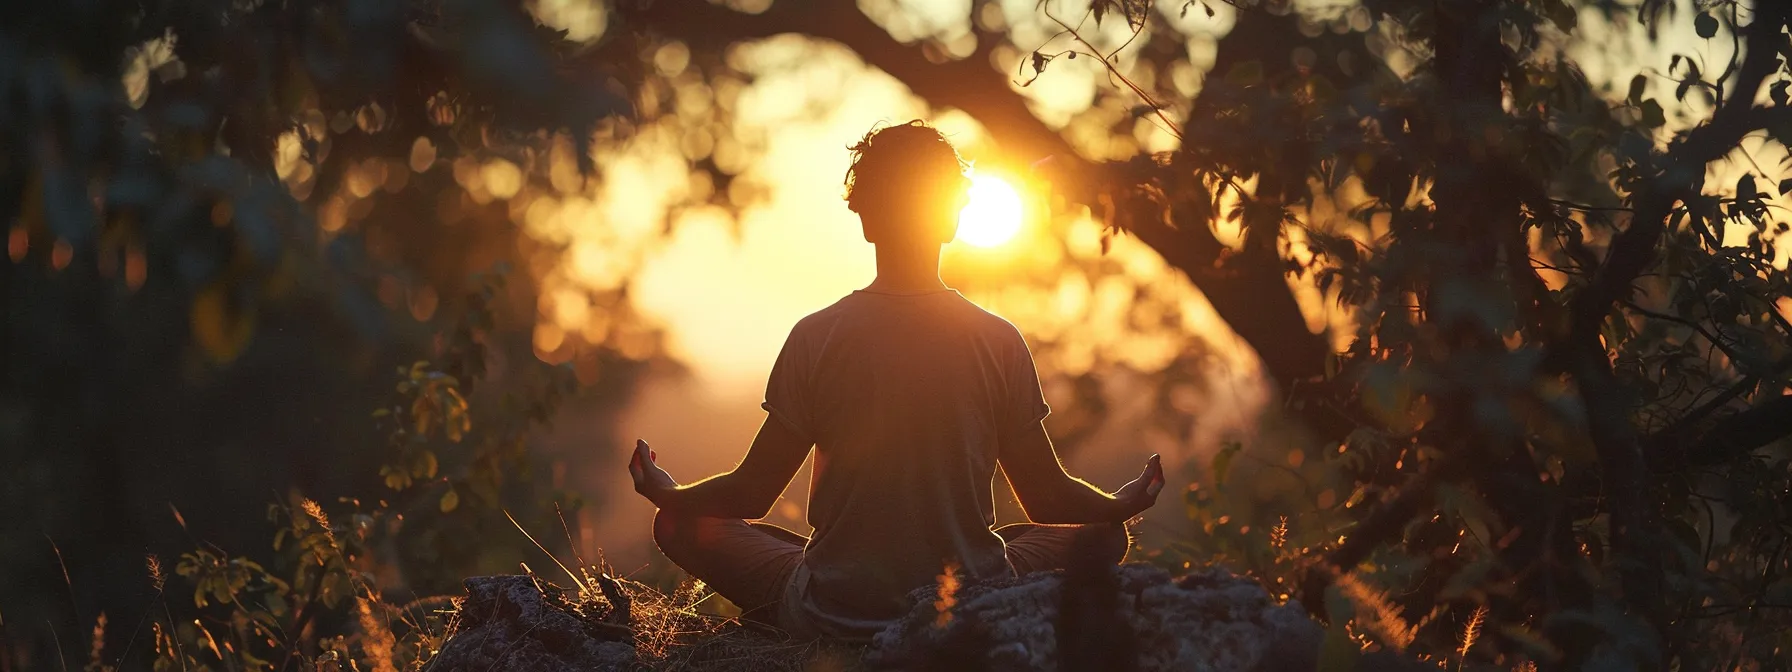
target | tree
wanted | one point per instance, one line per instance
(1568, 343)
(226, 222)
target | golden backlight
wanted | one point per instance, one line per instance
(993, 216)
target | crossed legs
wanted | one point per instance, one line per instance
(750, 563)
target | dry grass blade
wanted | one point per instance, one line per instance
(583, 589)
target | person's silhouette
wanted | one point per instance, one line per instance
(910, 396)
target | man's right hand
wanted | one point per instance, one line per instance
(650, 480)
(1133, 498)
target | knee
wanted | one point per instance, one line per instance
(1107, 541)
(681, 537)
(671, 530)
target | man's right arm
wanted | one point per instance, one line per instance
(1053, 497)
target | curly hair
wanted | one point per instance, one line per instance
(899, 156)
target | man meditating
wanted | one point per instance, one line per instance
(910, 396)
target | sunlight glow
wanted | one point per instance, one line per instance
(993, 216)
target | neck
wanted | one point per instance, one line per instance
(908, 269)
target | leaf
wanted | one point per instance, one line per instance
(1785, 186)
(1564, 16)
(1745, 188)
(1222, 462)
(450, 501)
(1637, 84)
(396, 478)
(276, 604)
(1248, 73)
(221, 325)
(1653, 115)
(1337, 651)
(423, 464)
(335, 587)
(1705, 24)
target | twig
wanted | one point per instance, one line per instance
(570, 543)
(1114, 71)
(1586, 208)
(59, 659)
(74, 608)
(569, 573)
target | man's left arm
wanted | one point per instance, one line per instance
(747, 492)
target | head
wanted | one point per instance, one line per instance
(907, 184)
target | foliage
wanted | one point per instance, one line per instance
(1554, 406)
(325, 605)
(1553, 415)
(220, 216)
(1564, 404)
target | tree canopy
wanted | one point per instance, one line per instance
(1551, 410)
(1567, 331)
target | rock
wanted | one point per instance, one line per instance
(1210, 619)
(512, 623)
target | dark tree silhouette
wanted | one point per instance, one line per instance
(1630, 355)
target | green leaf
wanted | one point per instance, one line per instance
(1563, 15)
(1705, 24)
(1222, 462)
(1653, 115)
(1248, 73)
(1337, 651)
(276, 604)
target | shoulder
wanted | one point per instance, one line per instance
(995, 326)
(821, 321)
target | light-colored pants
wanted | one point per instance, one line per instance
(750, 563)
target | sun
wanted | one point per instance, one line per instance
(993, 215)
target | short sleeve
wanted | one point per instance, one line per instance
(787, 394)
(1025, 404)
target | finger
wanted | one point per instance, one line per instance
(652, 455)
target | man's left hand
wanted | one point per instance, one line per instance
(651, 481)
(1133, 498)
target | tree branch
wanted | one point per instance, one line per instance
(1623, 466)
(1250, 294)
(1743, 432)
(1683, 168)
